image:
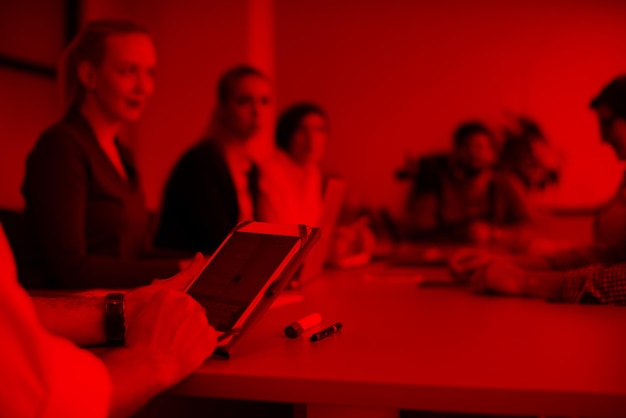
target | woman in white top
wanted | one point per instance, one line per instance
(291, 179)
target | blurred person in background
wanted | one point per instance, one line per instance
(214, 185)
(292, 184)
(453, 196)
(594, 273)
(610, 107)
(527, 166)
(86, 219)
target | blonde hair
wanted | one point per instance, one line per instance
(89, 45)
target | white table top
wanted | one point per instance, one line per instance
(435, 348)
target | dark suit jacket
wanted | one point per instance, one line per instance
(86, 226)
(200, 204)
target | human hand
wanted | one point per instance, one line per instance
(168, 330)
(189, 271)
(500, 276)
(353, 245)
(465, 262)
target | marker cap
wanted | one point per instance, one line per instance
(296, 328)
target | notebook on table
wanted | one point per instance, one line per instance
(246, 273)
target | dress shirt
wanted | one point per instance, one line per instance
(289, 192)
(596, 284)
(240, 165)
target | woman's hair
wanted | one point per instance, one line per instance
(290, 119)
(518, 146)
(613, 96)
(89, 45)
(227, 81)
(468, 129)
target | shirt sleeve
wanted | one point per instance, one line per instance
(44, 375)
(596, 284)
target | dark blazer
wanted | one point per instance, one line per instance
(200, 204)
(86, 225)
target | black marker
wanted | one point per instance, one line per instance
(326, 332)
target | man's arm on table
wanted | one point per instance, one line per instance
(80, 319)
(167, 337)
(594, 283)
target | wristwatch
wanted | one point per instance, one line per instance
(114, 326)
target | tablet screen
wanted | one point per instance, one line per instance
(237, 273)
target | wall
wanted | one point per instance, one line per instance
(397, 76)
(196, 41)
(31, 30)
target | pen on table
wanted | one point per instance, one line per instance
(296, 328)
(326, 332)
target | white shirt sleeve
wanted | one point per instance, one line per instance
(288, 192)
(43, 375)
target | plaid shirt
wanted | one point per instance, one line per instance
(596, 283)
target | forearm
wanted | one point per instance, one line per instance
(544, 284)
(77, 318)
(135, 380)
(602, 284)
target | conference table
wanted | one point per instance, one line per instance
(431, 346)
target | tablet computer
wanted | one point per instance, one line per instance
(245, 274)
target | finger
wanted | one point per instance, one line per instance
(181, 280)
(197, 264)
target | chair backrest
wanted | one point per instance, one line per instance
(13, 224)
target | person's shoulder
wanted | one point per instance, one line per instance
(435, 158)
(203, 150)
(62, 137)
(204, 158)
(432, 171)
(434, 164)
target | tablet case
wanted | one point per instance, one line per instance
(308, 238)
